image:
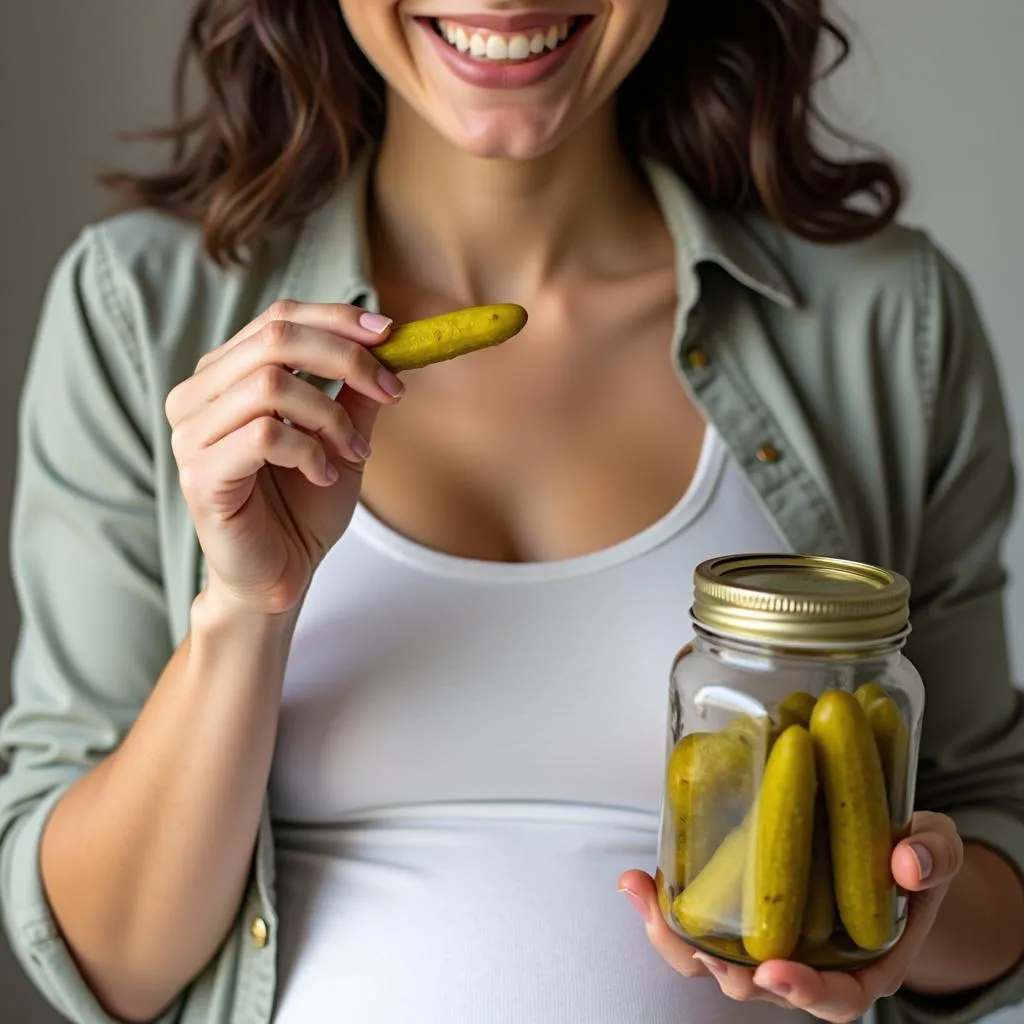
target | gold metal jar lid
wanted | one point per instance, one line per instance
(800, 600)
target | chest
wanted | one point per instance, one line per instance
(570, 437)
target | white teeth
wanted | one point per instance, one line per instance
(518, 48)
(497, 48)
(494, 46)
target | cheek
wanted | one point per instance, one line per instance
(632, 28)
(376, 28)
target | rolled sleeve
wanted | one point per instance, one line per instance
(85, 550)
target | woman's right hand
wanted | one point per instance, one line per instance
(270, 498)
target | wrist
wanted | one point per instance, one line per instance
(217, 618)
(216, 607)
(985, 901)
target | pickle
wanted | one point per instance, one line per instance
(859, 829)
(711, 902)
(750, 731)
(437, 338)
(820, 911)
(710, 779)
(892, 739)
(869, 693)
(707, 759)
(779, 862)
(731, 949)
(891, 734)
(795, 709)
(662, 890)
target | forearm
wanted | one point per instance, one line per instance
(979, 932)
(144, 861)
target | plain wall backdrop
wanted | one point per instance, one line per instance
(938, 83)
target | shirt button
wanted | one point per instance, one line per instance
(259, 932)
(768, 454)
(698, 359)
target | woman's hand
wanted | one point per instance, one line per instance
(269, 465)
(924, 864)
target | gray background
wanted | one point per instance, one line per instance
(939, 83)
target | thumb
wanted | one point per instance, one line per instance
(930, 856)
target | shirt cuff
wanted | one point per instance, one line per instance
(34, 936)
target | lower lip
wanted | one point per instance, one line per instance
(503, 74)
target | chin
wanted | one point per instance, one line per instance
(518, 136)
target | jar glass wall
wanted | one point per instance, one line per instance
(791, 762)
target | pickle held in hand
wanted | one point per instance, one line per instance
(792, 754)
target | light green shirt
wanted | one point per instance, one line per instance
(854, 385)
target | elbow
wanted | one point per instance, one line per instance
(133, 981)
(131, 1006)
(126, 989)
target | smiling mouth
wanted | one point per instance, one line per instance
(521, 47)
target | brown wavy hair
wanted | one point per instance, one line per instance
(724, 96)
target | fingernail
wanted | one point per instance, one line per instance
(924, 860)
(375, 322)
(777, 988)
(641, 905)
(713, 965)
(360, 446)
(390, 383)
(331, 472)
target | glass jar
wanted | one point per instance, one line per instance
(793, 739)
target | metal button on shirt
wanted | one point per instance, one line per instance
(768, 454)
(698, 359)
(260, 932)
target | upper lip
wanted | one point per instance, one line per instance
(506, 22)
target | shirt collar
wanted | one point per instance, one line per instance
(702, 235)
(331, 262)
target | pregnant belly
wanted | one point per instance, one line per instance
(490, 914)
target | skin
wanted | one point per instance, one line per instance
(145, 859)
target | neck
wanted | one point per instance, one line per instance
(496, 230)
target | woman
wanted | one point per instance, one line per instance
(302, 733)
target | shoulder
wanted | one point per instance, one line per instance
(899, 270)
(147, 274)
(900, 266)
(897, 293)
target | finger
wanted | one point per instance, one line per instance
(832, 996)
(220, 479)
(270, 391)
(736, 982)
(346, 321)
(362, 411)
(930, 856)
(638, 887)
(293, 346)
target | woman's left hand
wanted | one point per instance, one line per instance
(924, 864)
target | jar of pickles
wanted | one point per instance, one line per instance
(794, 724)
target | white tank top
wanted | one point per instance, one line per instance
(469, 755)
